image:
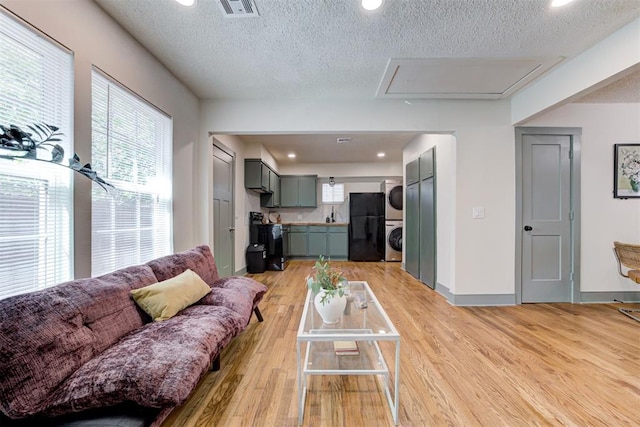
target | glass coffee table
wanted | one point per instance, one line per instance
(364, 323)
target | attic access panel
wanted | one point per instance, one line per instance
(460, 78)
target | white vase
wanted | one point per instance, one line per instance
(332, 309)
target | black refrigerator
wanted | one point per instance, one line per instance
(366, 226)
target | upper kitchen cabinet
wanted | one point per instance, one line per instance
(298, 191)
(412, 172)
(256, 175)
(261, 178)
(426, 165)
(271, 199)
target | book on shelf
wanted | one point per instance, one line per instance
(346, 348)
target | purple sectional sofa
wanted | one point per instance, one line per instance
(70, 350)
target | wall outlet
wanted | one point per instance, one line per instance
(299, 216)
(477, 213)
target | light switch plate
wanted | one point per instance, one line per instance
(477, 213)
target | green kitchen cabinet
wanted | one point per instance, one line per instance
(256, 175)
(317, 239)
(307, 191)
(288, 191)
(311, 241)
(298, 191)
(412, 172)
(338, 242)
(298, 241)
(426, 164)
(420, 219)
(412, 230)
(271, 199)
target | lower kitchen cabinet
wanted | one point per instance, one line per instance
(338, 242)
(315, 240)
(298, 240)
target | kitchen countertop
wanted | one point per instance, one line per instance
(328, 224)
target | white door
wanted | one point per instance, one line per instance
(223, 226)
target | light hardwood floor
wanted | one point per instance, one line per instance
(534, 364)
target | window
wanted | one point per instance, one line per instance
(36, 86)
(131, 147)
(332, 193)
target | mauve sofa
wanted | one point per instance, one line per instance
(83, 353)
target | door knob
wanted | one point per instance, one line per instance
(232, 229)
(528, 228)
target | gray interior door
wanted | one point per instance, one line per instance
(223, 226)
(427, 233)
(546, 226)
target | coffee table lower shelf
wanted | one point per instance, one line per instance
(320, 359)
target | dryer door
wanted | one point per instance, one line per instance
(394, 197)
(395, 239)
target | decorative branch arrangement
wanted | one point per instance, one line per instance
(18, 144)
(325, 277)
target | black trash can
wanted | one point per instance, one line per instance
(256, 258)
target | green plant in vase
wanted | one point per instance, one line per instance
(326, 281)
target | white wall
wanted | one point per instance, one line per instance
(604, 219)
(256, 150)
(96, 39)
(485, 177)
(445, 200)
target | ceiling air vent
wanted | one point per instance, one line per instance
(238, 8)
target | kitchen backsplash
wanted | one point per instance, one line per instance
(319, 214)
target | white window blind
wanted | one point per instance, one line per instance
(131, 147)
(36, 86)
(332, 193)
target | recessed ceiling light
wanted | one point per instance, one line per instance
(186, 2)
(380, 154)
(291, 155)
(558, 3)
(371, 4)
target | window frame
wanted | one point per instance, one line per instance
(114, 254)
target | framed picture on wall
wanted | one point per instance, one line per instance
(626, 171)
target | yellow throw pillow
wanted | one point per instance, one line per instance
(163, 300)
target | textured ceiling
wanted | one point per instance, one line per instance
(624, 90)
(333, 49)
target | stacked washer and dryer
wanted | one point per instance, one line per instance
(392, 189)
